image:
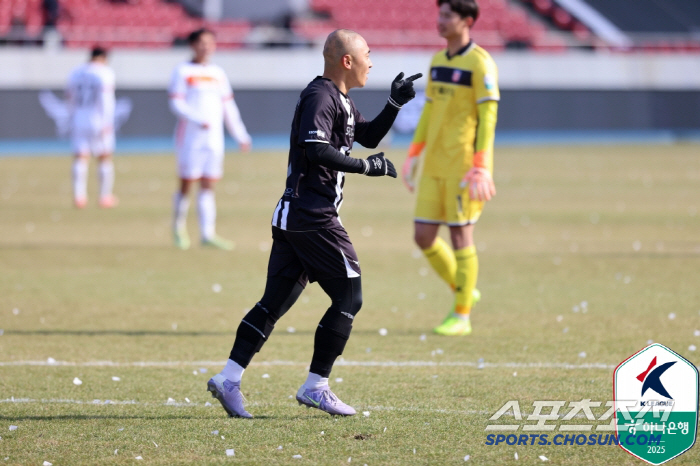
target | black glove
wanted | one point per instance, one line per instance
(378, 165)
(402, 90)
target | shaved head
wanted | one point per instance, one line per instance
(346, 59)
(341, 42)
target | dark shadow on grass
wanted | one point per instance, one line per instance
(178, 333)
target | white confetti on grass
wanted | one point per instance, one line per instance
(291, 330)
(154, 443)
(216, 288)
(383, 332)
(516, 456)
(297, 457)
(544, 458)
(116, 451)
(422, 337)
(280, 447)
(46, 463)
(266, 376)
(15, 311)
(230, 452)
(692, 348)
(51, 360)
(338, 379)
(77, 381)
(207, 404)
(13, 428)
(467, 457)
(672, 316)
(365, 413)
(116, 379)
(139, 458)
(696, 333)
(188, 400)
(582, 354)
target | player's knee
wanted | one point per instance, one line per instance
(423, 239)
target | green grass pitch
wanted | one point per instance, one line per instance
(105, 294)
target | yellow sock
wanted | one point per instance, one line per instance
(465, 278)
(442, 259)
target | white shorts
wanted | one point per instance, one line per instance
(85, 142)
(200, 163)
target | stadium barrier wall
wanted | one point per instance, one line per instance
(569, 91)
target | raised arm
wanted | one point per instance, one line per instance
(370, 133)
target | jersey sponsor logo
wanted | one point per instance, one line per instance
(446, 74)
(319, 133)
(350, 131)
(489, 82)
(194, 80)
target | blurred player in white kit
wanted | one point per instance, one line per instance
(90, 94)
(201, 98)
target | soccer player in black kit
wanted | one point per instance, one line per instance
(309, 242)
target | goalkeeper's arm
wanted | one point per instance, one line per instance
(479, 177)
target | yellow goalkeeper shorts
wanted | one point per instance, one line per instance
(442, 200)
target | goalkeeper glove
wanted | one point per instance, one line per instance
(481, 187)
(378, 165)
(402, 90)
(410, 166)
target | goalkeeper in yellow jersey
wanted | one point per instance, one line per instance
(456, 131)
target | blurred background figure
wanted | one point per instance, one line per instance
(91, 103)
(201, 98)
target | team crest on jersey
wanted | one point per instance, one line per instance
(456, 76)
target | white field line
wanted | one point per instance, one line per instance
(483, 365)
(176, 404)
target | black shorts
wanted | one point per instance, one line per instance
(312, 255)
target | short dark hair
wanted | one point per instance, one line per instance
(195, 35)
(464, 8)
(98, 51)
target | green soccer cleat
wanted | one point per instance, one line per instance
(218, 242)
(454, 326)
(182, 239)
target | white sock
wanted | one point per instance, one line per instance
(315, 381)
(206, 205)
(106, 178)
(80, 169)
(181, 206)
(232, 371)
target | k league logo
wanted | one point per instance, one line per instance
(664, 386)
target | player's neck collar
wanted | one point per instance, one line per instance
(460, 51)
(334, 85)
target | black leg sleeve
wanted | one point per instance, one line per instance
(255, 328)
(334, 329)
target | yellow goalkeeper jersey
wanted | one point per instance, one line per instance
(448, 124)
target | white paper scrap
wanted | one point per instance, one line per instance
(365, 413)
(116, 379)
(230, 452)
(544, 458)
(77, 381)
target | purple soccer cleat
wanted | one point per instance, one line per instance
(229, 395)
(325, 400)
